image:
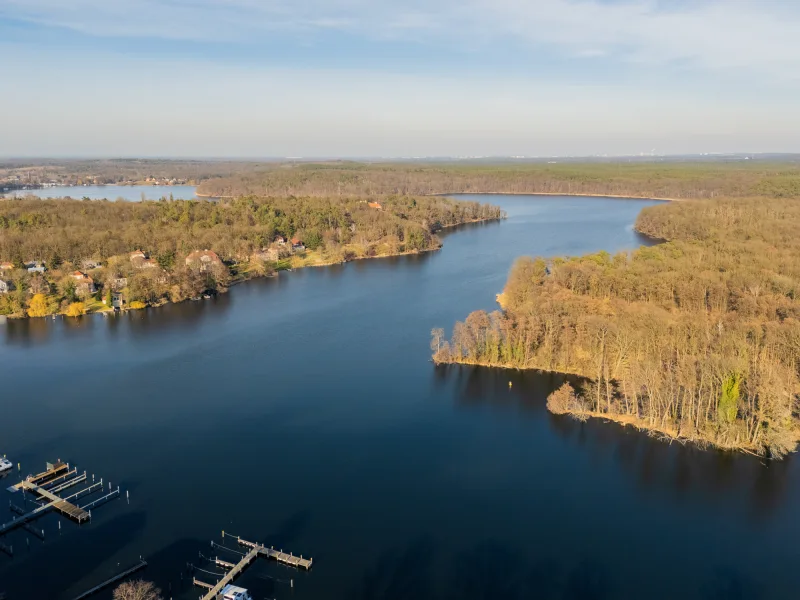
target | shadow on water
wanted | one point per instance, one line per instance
(469, 226)
(290, 530)
(682, 471)
(400, 575)
(70, 561)
(486, 571)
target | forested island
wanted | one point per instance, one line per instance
(697, 338)
(76, 256)
(648, 179)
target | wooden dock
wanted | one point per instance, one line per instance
(54, 471)
(111, 580)
(58, 503)
(234, 570)
(232, 574)
(279, 555)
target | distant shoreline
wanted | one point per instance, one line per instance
(551, 194)
(556, 194)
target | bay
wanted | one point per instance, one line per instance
(303, 412)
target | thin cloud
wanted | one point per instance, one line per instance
(758, 35)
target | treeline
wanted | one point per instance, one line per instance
(653, 180)
(110, 171)
(698, 337)
(65, 233)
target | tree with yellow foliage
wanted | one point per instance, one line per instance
(76, 309)
(38, 307)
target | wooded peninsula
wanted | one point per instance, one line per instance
(76, 256)
(697, 338)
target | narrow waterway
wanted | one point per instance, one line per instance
(303, 412)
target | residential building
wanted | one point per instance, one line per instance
(84, 284)
(140, 260)
(204, 260)
(35, 266)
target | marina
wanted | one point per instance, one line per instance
(44, 489)
(235, 570)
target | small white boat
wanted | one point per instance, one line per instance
(232, 592)
(5, 465)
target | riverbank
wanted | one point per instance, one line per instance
(565, 194)
(664, 333)
(246, 272)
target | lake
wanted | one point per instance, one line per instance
(303, 412)
(132, 193)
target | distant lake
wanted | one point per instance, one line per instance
(132, 193)
(303, 411)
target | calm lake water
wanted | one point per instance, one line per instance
(132, 193)
(303, 412)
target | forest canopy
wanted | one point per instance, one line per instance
(698, 337)
(639, 179)
(152, 252)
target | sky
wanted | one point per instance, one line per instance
(398, 78)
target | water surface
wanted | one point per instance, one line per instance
(303, 412)
(131, 193)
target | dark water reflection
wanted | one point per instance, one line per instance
(303, 411)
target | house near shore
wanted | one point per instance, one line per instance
(84, 284)
(6, 286)
(6, 266)
(297, 244)
(118, 283)
(35, 266)
(204, 260)
(140, 260)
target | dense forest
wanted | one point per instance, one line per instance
(697, 338)
(646, 179)
(247, 236)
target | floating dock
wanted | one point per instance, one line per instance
(234, 570)
(45, 488)
(282, 557)
(53, 471)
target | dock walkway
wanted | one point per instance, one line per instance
(279, 555)
(58, 503)
(232, 574)
(44, 477)
(256, 550)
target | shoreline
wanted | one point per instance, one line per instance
(551, 194)
(245, 279)
(556, 194)
(667, 433)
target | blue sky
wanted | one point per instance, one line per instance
(392, 78)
